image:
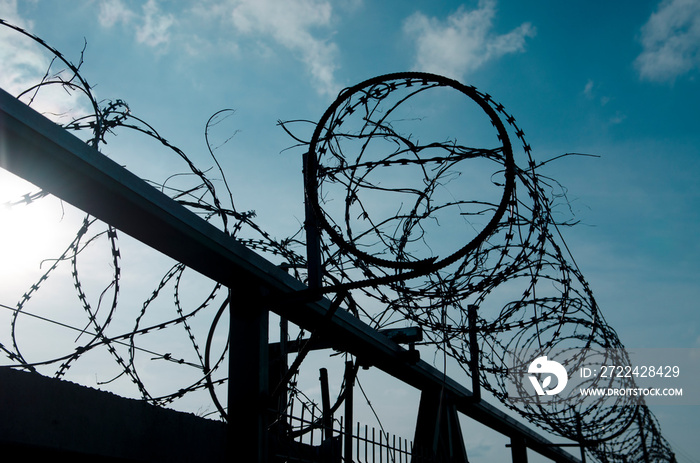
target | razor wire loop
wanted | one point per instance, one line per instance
(366, 98)
(525, 249)
(520, 248)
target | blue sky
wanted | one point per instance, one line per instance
(614, 79)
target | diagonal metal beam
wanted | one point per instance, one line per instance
(45, 154)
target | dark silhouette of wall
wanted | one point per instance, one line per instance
(45, 417)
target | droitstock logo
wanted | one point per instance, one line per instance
(547, 369)
(559, 379)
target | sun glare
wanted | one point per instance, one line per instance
(31, 229)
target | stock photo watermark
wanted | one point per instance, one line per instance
(616, 377)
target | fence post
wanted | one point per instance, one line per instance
(581, 440)
(326, 417)
(518, 449)
(645, 451)
(438, 432)
(473, 352)
(248, 376)
(349, 385)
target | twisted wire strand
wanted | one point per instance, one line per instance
(390, 202)
(548, 303)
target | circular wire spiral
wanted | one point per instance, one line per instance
(426, 200)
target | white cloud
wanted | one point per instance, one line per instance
(155, 28)
(21, 64)
(618, 118)
(150, 26)
(590, 91)
(299, 27)
(464, 41)
(112, 12)
(291, 23)
(671, 41)
(25, 63)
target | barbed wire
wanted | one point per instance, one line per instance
(392, 241)
(389, 191)
(124, 347)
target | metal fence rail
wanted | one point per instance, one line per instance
(53, 159)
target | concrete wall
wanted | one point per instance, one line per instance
(46, 417)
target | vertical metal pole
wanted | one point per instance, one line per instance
(645, 451)
(349, 386)
(313, 239)
(473, 352)
(284, 334)
(580, 438)
(326, 405)
(248, 387)
(518, 449)
(284, 367)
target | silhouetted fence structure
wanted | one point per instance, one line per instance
(360, 268)
(314, 443)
